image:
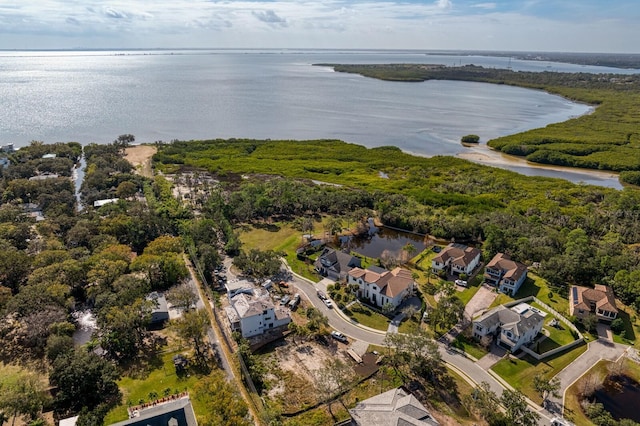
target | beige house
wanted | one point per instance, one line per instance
(599, 301)
(456, 259)
(380, 286)
(505, 274)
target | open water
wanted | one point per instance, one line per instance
(164, 95)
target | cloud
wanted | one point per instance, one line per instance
(116, 14)
(485, 6)
(270, 17)
(444, 4)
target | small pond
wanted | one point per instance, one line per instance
(619, 395)
(381, 239)
(86, 323)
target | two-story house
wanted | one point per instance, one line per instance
(380, 286)
(456, 259)
(253, 315)
(513, 327)
(335, 264)
(505, 274)
(600, 301)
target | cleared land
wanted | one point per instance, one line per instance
(140, 157)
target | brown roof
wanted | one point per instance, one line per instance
(461, 254)
(513, 270)
(601, 295)
(391, 283)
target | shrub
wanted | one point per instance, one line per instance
(617, 325)
(470, 139)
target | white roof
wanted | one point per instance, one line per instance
(71, 421)
(100, 203)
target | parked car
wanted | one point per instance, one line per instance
(436, 249)
(267, 284)
(283, 284)
(321, 295)
(285, 300)
(293, 303)
(462, 283)
(328, 303)
(339, 336)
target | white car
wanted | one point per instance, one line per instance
(339, 336)
(462, 283)
(328, 303)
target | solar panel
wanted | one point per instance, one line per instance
(575, 295)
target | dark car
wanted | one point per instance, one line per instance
(321, 295)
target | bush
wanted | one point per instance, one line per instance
(470, 139)
(617, 325)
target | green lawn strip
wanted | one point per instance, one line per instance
(367, 317)
(538, 287)
(466, 294)
(469, 346)
(409, 325)
(631, 326)
(157, 380)
(519, 373)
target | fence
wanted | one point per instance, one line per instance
(558, 316)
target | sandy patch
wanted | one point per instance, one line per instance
(140, 157)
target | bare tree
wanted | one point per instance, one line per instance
(182, 297)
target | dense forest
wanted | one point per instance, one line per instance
(607, 139)
(57, 259)
(579, 234)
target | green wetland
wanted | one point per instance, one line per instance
(607, 139)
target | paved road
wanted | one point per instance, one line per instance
(597, 350)
(459, 362)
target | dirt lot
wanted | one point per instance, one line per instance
(140, 157)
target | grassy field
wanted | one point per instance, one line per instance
(538, 287)
(159, 378)
(469, 346)
(631, 326)
(368, 317)
(519, 373)
(279, 237)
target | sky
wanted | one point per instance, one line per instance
(511, 25)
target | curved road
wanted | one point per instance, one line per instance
(464, 366)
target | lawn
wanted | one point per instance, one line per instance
(519, 373)
(136, 390)
(469, 346)
(409, 325)
(540, 288)
(466, 294)
(279, 237)
(367, 317)
(631, 326)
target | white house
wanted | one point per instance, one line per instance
(513, 327)
(456, 259)
(254, 315)
(380, 286)
(506, 274)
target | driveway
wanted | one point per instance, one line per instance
(480, 301)
(597, 350)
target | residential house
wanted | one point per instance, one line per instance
(237, 286)
(505, 274)
(335, 264)
(100, 203)
(456, 259)
(253, 315)
(160, 312)
(380, 286)
(175, 410)
(599, 301)
(513, 327)
(392, 408)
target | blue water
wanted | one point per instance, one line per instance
(158, 95)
